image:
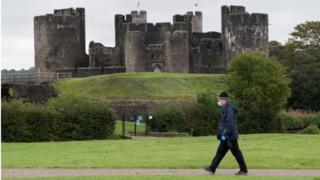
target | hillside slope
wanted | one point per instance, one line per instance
(142, 86)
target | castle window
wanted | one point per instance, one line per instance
(152, 56)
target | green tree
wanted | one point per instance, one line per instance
(301, 56)
(202, 116)
(260, 89)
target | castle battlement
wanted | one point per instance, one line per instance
(56, 20)
(254, 19)
(62, 16)
(70, 12)
(237, 16)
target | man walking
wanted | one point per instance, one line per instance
(228, 135)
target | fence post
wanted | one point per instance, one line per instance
(123, 126)
(135, 125)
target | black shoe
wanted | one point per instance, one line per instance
(242, 173)
(209, 169)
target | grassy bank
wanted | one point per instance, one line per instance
(149, 86)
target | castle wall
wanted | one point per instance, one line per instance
(91, 71)
(100, 56)
(155, 57)
(177, 52)
(60, 40)
(206, 53)
(243, 32)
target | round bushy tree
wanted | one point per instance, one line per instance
(260, 88)
(301, 56)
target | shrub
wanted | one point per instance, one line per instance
(168, 118)
(79, 119)
(311, 119)
(297, 120)
(24, 122)
(202, 116)
(291, 122)
(64, 118)
(40, 123)
(260, 89)
(312, 129)
(199, 118)
(14, 126)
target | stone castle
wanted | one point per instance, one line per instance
(180, 46)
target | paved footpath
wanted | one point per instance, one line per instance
(187, 172)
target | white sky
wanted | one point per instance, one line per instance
(17, 43)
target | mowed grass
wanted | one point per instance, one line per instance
(260, 151)
(163, 178)
(145, 86)
(129, 128)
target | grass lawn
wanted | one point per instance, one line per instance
(129, 128)
(260, 151)
(162, 177)
(149, 86)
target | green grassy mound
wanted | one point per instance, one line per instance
(143, 86)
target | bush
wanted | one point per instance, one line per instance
(64, 118)
(168, 118)
(291, 122)
(40, 123)
(202, 116)
(312, 119)
(199, 118)
(78, 119)
(24, 122)
(260, 89)
(14, 126)
(312, 129)
(295, 120)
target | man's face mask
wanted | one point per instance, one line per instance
(221, 102)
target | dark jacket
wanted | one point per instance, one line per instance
(227, 125)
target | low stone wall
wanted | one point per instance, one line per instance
(207, 70)
(129, 108)
(91, 71)
(36, 93)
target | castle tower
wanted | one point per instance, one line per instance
(135, 51)
(60, 40)
(177, 52)
(192, 21)
(139, 17)
(243, 32)
(197, 22)
(121, 28)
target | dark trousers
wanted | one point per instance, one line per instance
(222, 151)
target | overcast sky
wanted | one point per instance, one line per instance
(17, 19)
